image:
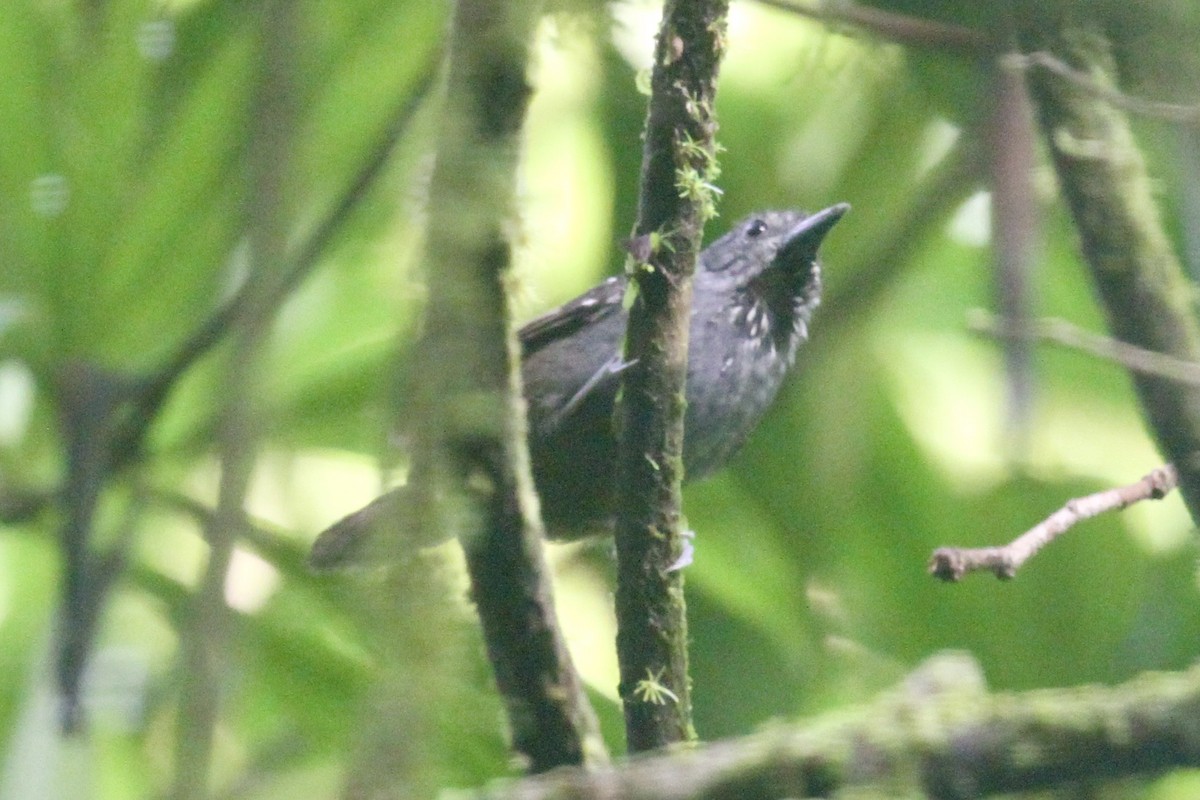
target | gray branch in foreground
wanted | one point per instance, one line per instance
(939, 734)
(952, 563)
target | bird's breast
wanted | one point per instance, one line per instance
(735, 368)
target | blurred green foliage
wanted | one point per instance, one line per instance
(124, 208)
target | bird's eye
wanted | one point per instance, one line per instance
(757, 228)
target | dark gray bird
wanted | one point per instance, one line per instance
(754, 295)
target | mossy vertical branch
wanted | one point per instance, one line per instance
(677, 198)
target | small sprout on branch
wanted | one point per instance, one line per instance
(691, 151)
(642, 248)
(697, 160)
(651, 690)
(660, 241)
(698, 189)
(631, 288)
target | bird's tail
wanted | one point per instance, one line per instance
(352, 541)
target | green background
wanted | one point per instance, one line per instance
(125, 202)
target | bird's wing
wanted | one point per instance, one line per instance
(589, 308)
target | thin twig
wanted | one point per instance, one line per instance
(899, 28)
(1061, 332)
(952, 563)
(20, 504)
(1171, 112)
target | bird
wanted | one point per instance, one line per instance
(754, 294)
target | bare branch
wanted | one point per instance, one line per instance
(952, 563)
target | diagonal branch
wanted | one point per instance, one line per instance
(1171, 112)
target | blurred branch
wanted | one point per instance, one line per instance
(1103, 178)
(952, 563)
(676, 199)
(893, 27)
(1011, 139)
(268, 543)
(205, 631)
(89, 401)
(939, 735)
(470, 443)
(1059, 331)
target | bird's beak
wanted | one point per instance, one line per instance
(807, 235)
